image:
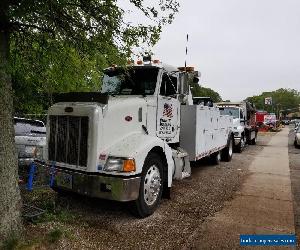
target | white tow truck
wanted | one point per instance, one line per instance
(129, 141)
(244, 123)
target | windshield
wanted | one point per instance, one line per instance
(130, 81)
(234, 112)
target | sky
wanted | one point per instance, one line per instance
(241, 47)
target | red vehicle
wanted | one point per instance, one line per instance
(260, 119)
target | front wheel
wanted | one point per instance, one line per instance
(151, 186)
(226, 154)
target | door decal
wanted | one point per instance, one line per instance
(165, 122)
(168, 109)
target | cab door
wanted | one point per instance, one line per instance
(168, 109)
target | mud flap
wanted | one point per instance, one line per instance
(182, 164)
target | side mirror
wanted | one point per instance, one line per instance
(195, 79)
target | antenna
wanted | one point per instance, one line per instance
(186, 51)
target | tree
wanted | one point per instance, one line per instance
(82, 27)
(207, 92)
(283, 99)
(37, 73)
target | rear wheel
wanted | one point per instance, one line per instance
(151, 186)
(253, 141)
(215, 158)
(226, 154)
(240, 146)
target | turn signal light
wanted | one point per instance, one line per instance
(187, 69)
(129, 165)
(129, 62)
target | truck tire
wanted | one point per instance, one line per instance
(215, 158)
(226, 154)
(151, 186)
(239, 147)
(253, 141)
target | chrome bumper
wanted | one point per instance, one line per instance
(106, 187)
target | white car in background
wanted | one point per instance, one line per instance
(296, 126)
(297, 137)
(30, 140)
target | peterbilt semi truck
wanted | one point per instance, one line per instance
(244, 122)
(130, 140)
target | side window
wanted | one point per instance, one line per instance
(241, 114)
(168, 85)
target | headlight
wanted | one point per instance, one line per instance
(234, 127)
(115, 164)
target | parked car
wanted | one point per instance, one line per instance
(285, 122)
(297, 138)
(295, 121)
(30, 139)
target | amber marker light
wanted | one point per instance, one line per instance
(129, 165)
(130, 62)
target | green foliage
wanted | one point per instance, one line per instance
(206, 92)
(59, 215)
(283, 99)
(38, 72)
(55, 235)
(61, 46)
(11, 243)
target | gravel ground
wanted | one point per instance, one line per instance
(99, 224)
(294, 158)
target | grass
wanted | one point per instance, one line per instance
(55, 235)
(56, 208)
(21, 243)
(10, 243)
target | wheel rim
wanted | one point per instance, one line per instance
(218, 156)
(242, 143)
(152, 185)
(230, 148)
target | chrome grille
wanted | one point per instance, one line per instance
(68, 142)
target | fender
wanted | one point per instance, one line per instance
(138, 146)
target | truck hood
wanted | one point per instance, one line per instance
(123, 116)
(125, 103)
(106, 124)
(236, 122)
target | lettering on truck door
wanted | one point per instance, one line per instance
(167, 108)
